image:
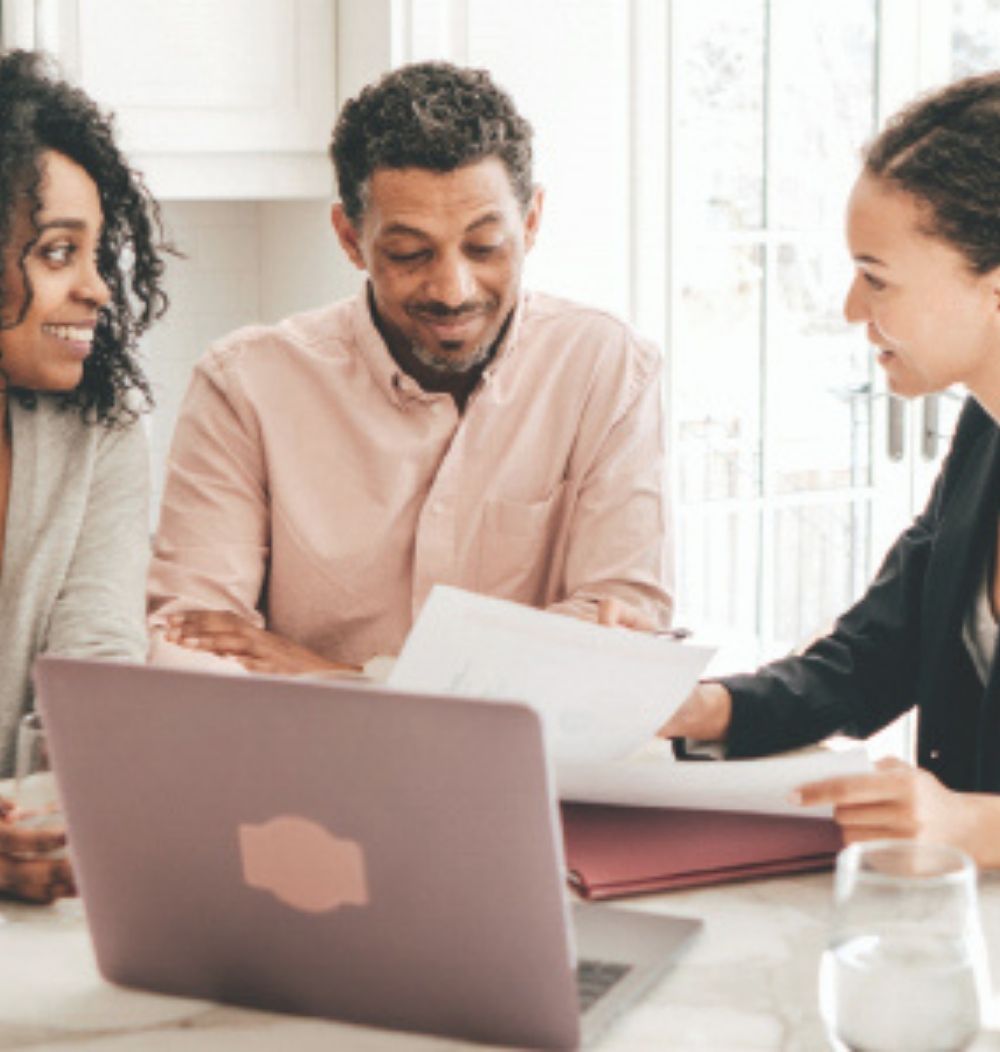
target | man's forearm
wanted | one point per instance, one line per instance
(584, 604)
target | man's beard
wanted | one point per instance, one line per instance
(451, 364)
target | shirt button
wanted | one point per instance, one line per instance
(935, 754)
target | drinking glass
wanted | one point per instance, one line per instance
(905, 966)
(36, 799)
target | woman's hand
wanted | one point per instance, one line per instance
(28, 870)
(707, 710)
(705, 715)
(901, 801)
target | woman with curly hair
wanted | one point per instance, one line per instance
(80, 281)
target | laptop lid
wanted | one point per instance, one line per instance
(333, 850)
(314, 848)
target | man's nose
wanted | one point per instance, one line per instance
(452, 282)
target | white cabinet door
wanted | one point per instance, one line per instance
(243, 87)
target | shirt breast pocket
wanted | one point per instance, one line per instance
(517, 544)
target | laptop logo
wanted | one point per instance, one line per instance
(303, 865)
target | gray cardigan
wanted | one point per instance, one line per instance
(76, 550)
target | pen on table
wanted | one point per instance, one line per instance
(672, 633)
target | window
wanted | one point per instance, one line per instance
(769, 390)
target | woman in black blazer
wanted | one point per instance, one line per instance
(924, 233)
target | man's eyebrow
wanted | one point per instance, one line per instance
(402, 230)
(863, 258)
(490, 217)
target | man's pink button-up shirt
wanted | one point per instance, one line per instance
(315, 488)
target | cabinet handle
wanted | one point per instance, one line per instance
(930, 429)
(895, 427)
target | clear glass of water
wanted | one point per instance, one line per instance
(36, 799)
(905, 968)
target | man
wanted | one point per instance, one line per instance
(443, 426)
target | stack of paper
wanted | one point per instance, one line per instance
(601, 694)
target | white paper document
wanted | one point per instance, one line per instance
(653, 778)
(601, 693)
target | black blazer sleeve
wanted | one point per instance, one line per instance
(863, 674)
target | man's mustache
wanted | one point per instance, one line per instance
(439, 311)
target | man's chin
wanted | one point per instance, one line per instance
(451, 361)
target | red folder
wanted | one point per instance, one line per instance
(612, 851)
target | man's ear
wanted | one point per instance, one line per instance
(347, 235)
(533, 216)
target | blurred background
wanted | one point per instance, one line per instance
(697, 155)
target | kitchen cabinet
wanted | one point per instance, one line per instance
(225, 99)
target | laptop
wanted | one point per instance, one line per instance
(334, 850)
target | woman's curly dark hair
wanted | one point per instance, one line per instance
(945, 150)
(428, 115)
(40, 112)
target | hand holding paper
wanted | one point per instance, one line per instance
(653, 778)
(601, 693)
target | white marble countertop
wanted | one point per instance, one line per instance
(748, 983)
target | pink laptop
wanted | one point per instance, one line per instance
(335, 850)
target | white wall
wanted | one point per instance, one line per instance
(300, 263)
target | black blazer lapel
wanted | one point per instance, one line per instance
(951, 712)
(967, 525)
(978, 505)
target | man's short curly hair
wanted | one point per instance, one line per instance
(945, 150)
(40, 112)
(428, 115)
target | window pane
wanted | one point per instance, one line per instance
(814, 556)
(569, 75)
(820, 373)
(717, 578)
(975, 38)
(718, 142)
(822, 102)
(716, 373)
